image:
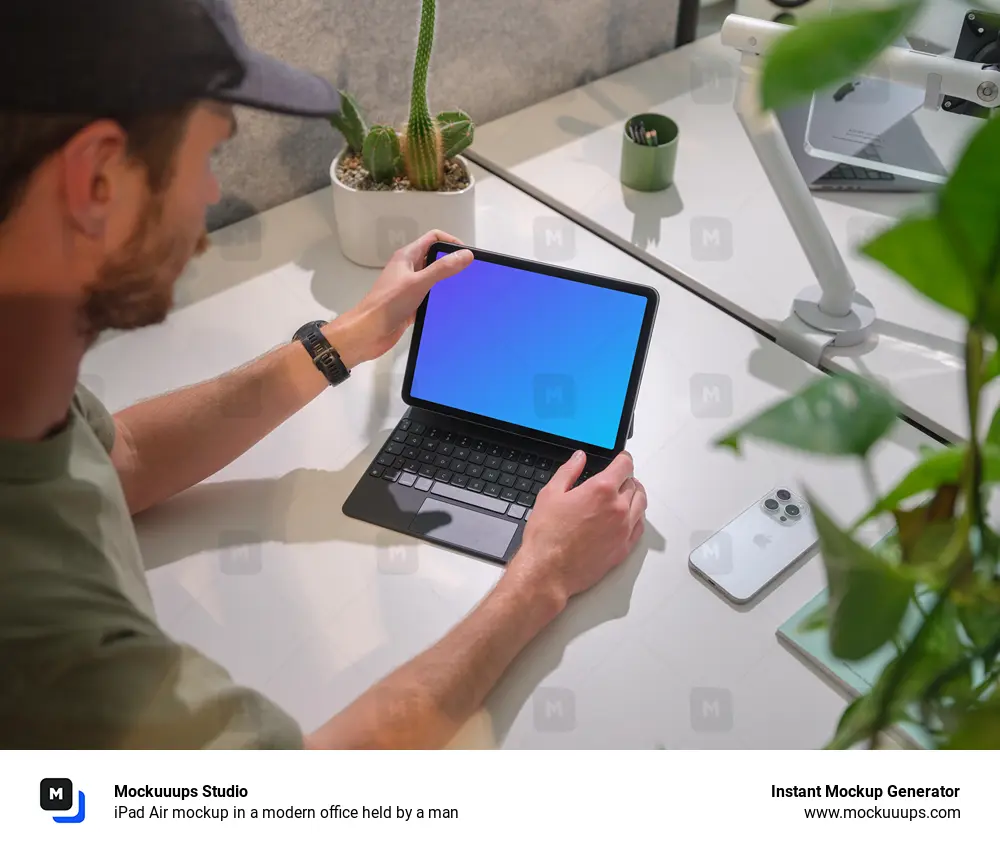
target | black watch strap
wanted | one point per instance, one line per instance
(323, 354)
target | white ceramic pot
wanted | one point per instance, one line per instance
(372, 225)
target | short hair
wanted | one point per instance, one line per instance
(28, 140)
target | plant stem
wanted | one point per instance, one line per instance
(973, 388)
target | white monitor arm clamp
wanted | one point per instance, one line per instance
(834, 307)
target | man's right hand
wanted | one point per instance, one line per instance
(576, 536)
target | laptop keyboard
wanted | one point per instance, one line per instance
(478, 472)
(845, 171)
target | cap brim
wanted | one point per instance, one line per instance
(274, 86)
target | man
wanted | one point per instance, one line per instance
(105, 142)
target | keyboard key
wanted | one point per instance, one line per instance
(412, 440)
(442, 461)
(398, 463)
(536, 488)
(400, 437)
(423, 484)
(507, 480)
(411, 453)
(525, 499)
(458, 466)
(525, 471)
(407, 479)
(493, 462)
(492, 489)
(529, 459)
(515, 512)
(427, 457)
(509, 466)
(417, 428)
(385, 459)
(479, 446)
(434, 434)
(446, 449)
(470, 498)
(447, 437)
(461, 454)
(460, 480)
(394, 449)
(428, 470)
(523, 484)
(511, 454)
(527, 516)
(544, 463)
(429, 444)
(473, 471)
(490, 475)
(391, 474)
(543, 476)
(494, 450)
(477, 457)
(412, 466)
(477, 485)
(443, 475)
(404, 425)
(508, 495)
(463, 442)
(375, 471)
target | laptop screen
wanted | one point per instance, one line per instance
(532, 350)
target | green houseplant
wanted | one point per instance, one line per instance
(392, 185)
(930, 593)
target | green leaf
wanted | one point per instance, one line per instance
(817, 620)
(969, 209)
(992, 367)
(978, 730)
(944, 467)
(350, 121)
(457, 131)
(993, 435)
(836, 415)
(918, 250)
(868, 596)
(854, 724)
(825, 51)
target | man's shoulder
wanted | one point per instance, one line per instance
(96, 415)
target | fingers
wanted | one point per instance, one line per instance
(416, 251)
(637, 531)
(637, 507)
(565, 476)
(618, 471)
(443, 267)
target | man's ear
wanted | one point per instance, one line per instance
(93, 167)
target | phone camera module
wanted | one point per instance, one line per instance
(771, 504)
(792, 510)
(783, 495)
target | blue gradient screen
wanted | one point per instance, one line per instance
(529, 349)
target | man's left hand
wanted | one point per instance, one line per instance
(376, 324)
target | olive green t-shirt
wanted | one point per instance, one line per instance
(83, 663)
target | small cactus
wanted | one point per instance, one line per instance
(351, 123)
(457, 131)
(381, 153)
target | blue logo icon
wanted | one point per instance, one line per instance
(56, 795)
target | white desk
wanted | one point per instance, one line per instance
(318, 606)
(720, 230)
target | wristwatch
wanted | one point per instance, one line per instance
(323, 354)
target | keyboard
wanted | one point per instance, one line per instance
(485, 474)
(846, 171)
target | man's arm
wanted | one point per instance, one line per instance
(574, 538)
(166, 444)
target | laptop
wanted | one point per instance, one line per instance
(513, 366)
(868, 120)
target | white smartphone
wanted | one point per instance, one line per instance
(774, 534)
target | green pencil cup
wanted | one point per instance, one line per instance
(649, 167)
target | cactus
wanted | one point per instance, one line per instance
(381, 153)
(456, 131)
(424, 152)
(351, 123)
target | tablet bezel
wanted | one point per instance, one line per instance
(638, 364)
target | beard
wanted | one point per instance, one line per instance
(135, 288)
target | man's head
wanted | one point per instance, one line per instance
(106, 145)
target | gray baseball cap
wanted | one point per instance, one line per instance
(119, 57)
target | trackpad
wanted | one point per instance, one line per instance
(462, 527)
